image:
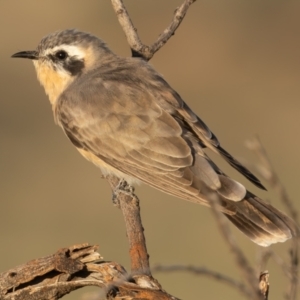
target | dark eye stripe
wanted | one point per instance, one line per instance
(73, 66)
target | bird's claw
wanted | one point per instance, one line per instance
(122, 187)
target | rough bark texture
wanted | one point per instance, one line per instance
(53, 276)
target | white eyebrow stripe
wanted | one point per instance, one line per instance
(70, 49)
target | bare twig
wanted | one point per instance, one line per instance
(239, 286)
(127, 26)
(179, 14)
(267, 171)
(293, 286)
(264, 284)
(137, 47)
(240, 259)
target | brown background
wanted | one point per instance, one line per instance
(235, 62)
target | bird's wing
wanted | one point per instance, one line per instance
(135, 126)
(141, 127)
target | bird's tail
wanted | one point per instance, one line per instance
(261, 222)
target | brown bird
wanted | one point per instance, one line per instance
(126, 119)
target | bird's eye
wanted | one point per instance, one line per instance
(61, 55)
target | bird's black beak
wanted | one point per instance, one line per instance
(27, 54)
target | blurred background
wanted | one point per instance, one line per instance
(236, 63)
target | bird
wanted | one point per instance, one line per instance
(124, 117)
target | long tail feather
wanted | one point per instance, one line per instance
(261, 222)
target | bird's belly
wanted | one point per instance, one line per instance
(106, 169)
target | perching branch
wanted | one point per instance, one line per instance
(135, 232)
(137, 47)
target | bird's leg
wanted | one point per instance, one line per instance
(122, 187)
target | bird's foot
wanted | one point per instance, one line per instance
(122, 187)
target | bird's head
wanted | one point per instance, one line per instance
(63, 56)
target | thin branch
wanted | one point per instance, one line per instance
(179, 15)
(127, 25)
(268, 172)
(240, 259)
(137, 47)
(206, 272)
(293, 286)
